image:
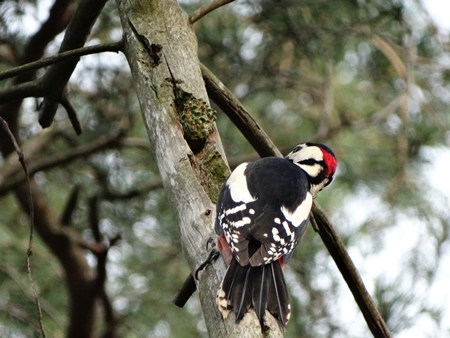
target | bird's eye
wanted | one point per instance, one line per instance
(297, 148)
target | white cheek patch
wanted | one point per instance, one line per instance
(237, 183)
(311, 170)
(301, 213)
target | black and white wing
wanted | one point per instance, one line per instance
(263, 210)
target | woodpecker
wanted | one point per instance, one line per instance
(261, 215)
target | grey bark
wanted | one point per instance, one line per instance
(161, 49)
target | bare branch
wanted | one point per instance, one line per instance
(71, 204)
(22, 91)
(111, 317)
(30, 240)
(59, 74)
(70, 109)
(94, 219)
(59, 16)
(114, 47)
(202, 11)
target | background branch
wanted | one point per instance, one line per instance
(14, 178)
(114, 47)
(71, 204)
(31, 211)
(59, 74)
(21, 91)
(208, 8)
(71, 112)
(59, 16)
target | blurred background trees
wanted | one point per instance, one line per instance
(368, 78)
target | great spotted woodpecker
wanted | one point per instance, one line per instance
(262, 213)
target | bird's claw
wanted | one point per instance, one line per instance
(213, 255)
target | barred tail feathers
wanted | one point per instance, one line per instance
(261, 288)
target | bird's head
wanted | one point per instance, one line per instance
(317, 161)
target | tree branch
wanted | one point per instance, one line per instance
(114, 47)
(208, 8)
(31, 211)
(94, 218)
(59, 16)
(59, 74)
(21, 91)
(71, 112)
(13, 178)
(71, 204)
(101, 250)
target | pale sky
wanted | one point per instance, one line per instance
(439, 11)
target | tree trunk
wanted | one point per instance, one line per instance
(161, 49)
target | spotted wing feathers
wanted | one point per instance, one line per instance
(268, 205)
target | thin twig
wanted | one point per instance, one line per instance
(71, 112)
(107, 47)
(30, 241)
(202, 11)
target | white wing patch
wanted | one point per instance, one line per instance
(301, 213)
(237, 183)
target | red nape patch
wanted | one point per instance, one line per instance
(224, 248)
(331, 162)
